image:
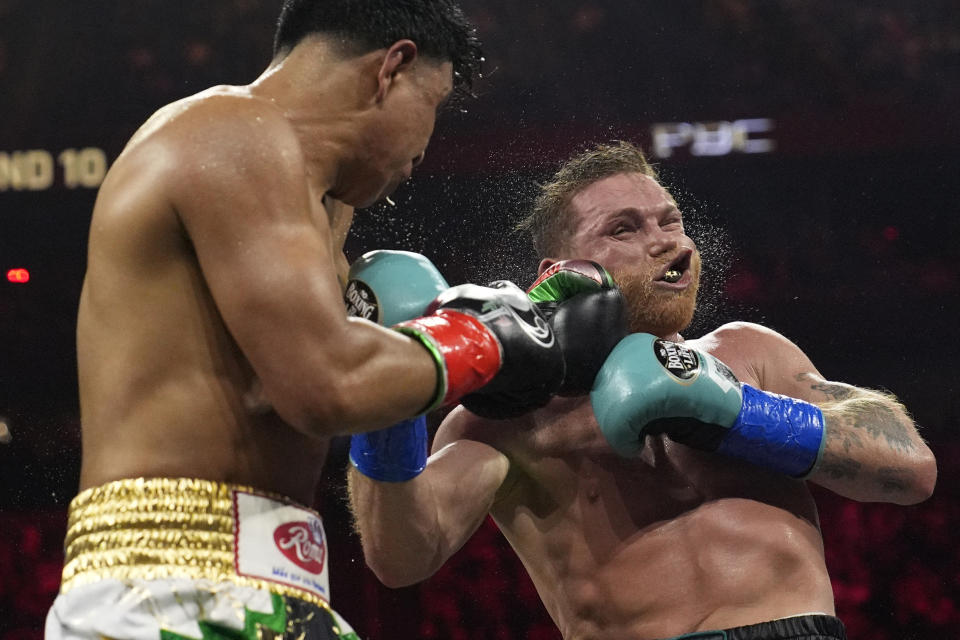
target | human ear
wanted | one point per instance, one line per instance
(398, 57)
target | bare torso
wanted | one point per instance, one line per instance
(673, 542)
(164, 389)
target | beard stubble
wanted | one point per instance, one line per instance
(655, 310)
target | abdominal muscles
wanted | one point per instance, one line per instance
(674, 542)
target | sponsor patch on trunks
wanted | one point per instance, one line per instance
(281, 543)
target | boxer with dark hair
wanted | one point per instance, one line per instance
(670, 497)
(216, 359)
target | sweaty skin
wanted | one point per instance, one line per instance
(675, 540)
(212, 337)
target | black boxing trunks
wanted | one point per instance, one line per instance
(805, 627)
(178, 558)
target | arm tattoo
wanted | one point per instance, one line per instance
(890, 480)
(895, 479)
(833, 390)
(849, 439)
(839, 467)
(863, 410)
(865, 429)
(880, 421)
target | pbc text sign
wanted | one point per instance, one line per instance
(713, 138)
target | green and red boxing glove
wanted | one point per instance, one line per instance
(587, 313)
(495, 351)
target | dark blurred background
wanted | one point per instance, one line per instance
(814, 146)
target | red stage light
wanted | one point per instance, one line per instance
(18, 276)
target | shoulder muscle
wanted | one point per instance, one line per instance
(761, 356)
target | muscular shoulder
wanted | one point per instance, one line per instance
(757, 354)
(221, 132)
(743, 334)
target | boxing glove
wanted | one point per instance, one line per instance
(388, 287)
(587, 313)
(649, 386)
(495, 351)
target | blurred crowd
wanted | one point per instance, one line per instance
(110, 63)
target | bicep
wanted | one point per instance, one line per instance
(466, 476)
(266, 261)
(467, 459)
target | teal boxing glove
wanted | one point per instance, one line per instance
(389, 287)
(649, 386)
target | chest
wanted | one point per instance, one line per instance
(562, 458)
(563, 464)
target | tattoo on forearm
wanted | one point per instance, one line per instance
(839, 467)
(865, 428)
(880, 421)
(868, 411)
(895, 479)
(832, 390)
(847, 438)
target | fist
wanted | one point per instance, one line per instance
(587, 313)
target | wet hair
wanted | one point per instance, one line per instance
(438, 27)
(549, 223)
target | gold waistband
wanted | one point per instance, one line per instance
(158, 528)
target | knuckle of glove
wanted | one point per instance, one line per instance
(463, 297)
(588, 327)
(566, 278)
(532, 366)
(479, 300)
(388, 287)
(588, 269)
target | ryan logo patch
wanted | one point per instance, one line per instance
(303, 544)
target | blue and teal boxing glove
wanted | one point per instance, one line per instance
(649, 386)
(389, 287)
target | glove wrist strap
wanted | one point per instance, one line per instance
(467, 354)
(395, 454)
(777, 432)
